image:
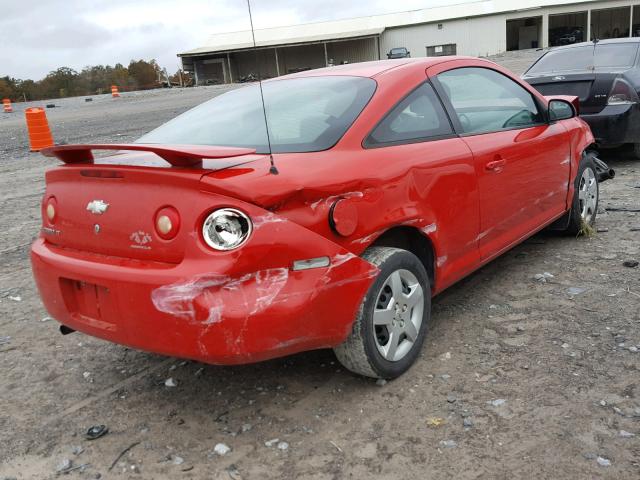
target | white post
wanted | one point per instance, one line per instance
(229, 66)
(631, 21)
(588, 39)
(277, 62)
(545, 31)
(195, 70)
(326, 56)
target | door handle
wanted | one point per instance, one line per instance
(495, 165)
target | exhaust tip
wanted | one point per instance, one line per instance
(608, 174)
(64, 330)
(603, 171)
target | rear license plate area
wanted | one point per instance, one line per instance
(89, 303)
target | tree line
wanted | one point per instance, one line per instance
(92, 80)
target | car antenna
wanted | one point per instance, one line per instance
(273, 170)
(595, 42)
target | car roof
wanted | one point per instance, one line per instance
(600, 42)
(373, 68)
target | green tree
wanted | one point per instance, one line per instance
(30, 90)
(93, 79)
(119, 75)
(145, 74)
(6, 90)
(63, 82)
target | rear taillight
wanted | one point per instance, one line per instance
(167, 223)
(50, 210)
(622, 93)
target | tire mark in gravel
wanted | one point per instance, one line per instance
(106, 392)
(16, 247)
(307, 402)
(11, 275)
(39, 193)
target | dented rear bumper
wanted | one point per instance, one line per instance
(221, 308)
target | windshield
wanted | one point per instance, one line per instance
(582, 58)
(307, 114)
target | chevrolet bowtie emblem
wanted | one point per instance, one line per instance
(97, 207)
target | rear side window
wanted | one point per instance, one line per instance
(419, 117)
(487, 101)
(608, 55)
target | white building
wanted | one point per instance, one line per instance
(480, 28)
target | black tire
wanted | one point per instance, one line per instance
(575, 216)
(360, 351)
(635, 149)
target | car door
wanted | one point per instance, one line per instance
(430, 178)
(522, 161)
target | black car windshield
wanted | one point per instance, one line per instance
(306, 114)
(584, 58)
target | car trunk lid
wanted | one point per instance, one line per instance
(579, 84)
(108, 205)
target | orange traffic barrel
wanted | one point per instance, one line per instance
(39, 133)
(114, 91)
(6, 103)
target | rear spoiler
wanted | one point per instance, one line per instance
(176, 155)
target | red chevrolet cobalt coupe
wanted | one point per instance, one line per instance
(388, 182)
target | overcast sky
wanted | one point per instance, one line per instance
(37, 36)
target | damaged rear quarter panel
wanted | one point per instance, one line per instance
(260, 308)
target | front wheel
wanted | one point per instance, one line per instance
(391, 323)
(585, 197)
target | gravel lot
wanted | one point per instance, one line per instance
(518, 378)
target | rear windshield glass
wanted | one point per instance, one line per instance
(616, 56)
(582, 58)
(304, 115)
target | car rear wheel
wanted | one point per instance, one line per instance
(585, 197)
(391, 323)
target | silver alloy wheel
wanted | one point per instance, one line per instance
(397, 316)
(588, 195)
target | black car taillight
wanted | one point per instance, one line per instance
(622, 93)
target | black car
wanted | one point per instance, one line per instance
(398, 52)
(605, 75)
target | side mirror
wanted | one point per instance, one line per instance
(560, 110)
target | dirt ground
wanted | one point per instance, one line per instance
(517, 379)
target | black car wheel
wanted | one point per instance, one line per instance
(585, 197)
(390, 326)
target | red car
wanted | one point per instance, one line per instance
(389, 181)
